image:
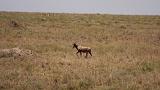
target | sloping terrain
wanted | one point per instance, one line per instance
(126, 52)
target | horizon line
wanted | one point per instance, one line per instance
(101, 13)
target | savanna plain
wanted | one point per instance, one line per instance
(126, 51)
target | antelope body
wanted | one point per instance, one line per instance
(82, 49)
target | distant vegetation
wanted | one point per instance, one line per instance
(126, 52)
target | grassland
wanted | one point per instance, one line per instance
(126, 52)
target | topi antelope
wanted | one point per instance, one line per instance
(81, 49)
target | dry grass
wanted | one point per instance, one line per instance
(126, 52)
